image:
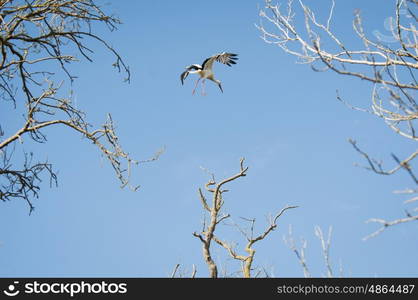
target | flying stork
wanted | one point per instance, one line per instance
(205, 70)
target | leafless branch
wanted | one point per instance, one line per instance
(194, 270)
(325, 248)
(385, 224)
(388, 61)
(176, 267)
(300, 254)
(247, 260)
(207, 235)
(35, 35)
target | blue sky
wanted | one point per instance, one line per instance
(281, 116)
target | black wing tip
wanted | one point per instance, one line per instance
(183, 77)
(232, 58)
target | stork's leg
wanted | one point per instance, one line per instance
(203, 87)
(197, 81)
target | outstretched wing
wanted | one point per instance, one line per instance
(224, 57)
(184, 75)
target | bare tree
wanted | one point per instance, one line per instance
(39, 39)
(207, 236)
(389, 64)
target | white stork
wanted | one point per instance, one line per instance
(205, 70)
